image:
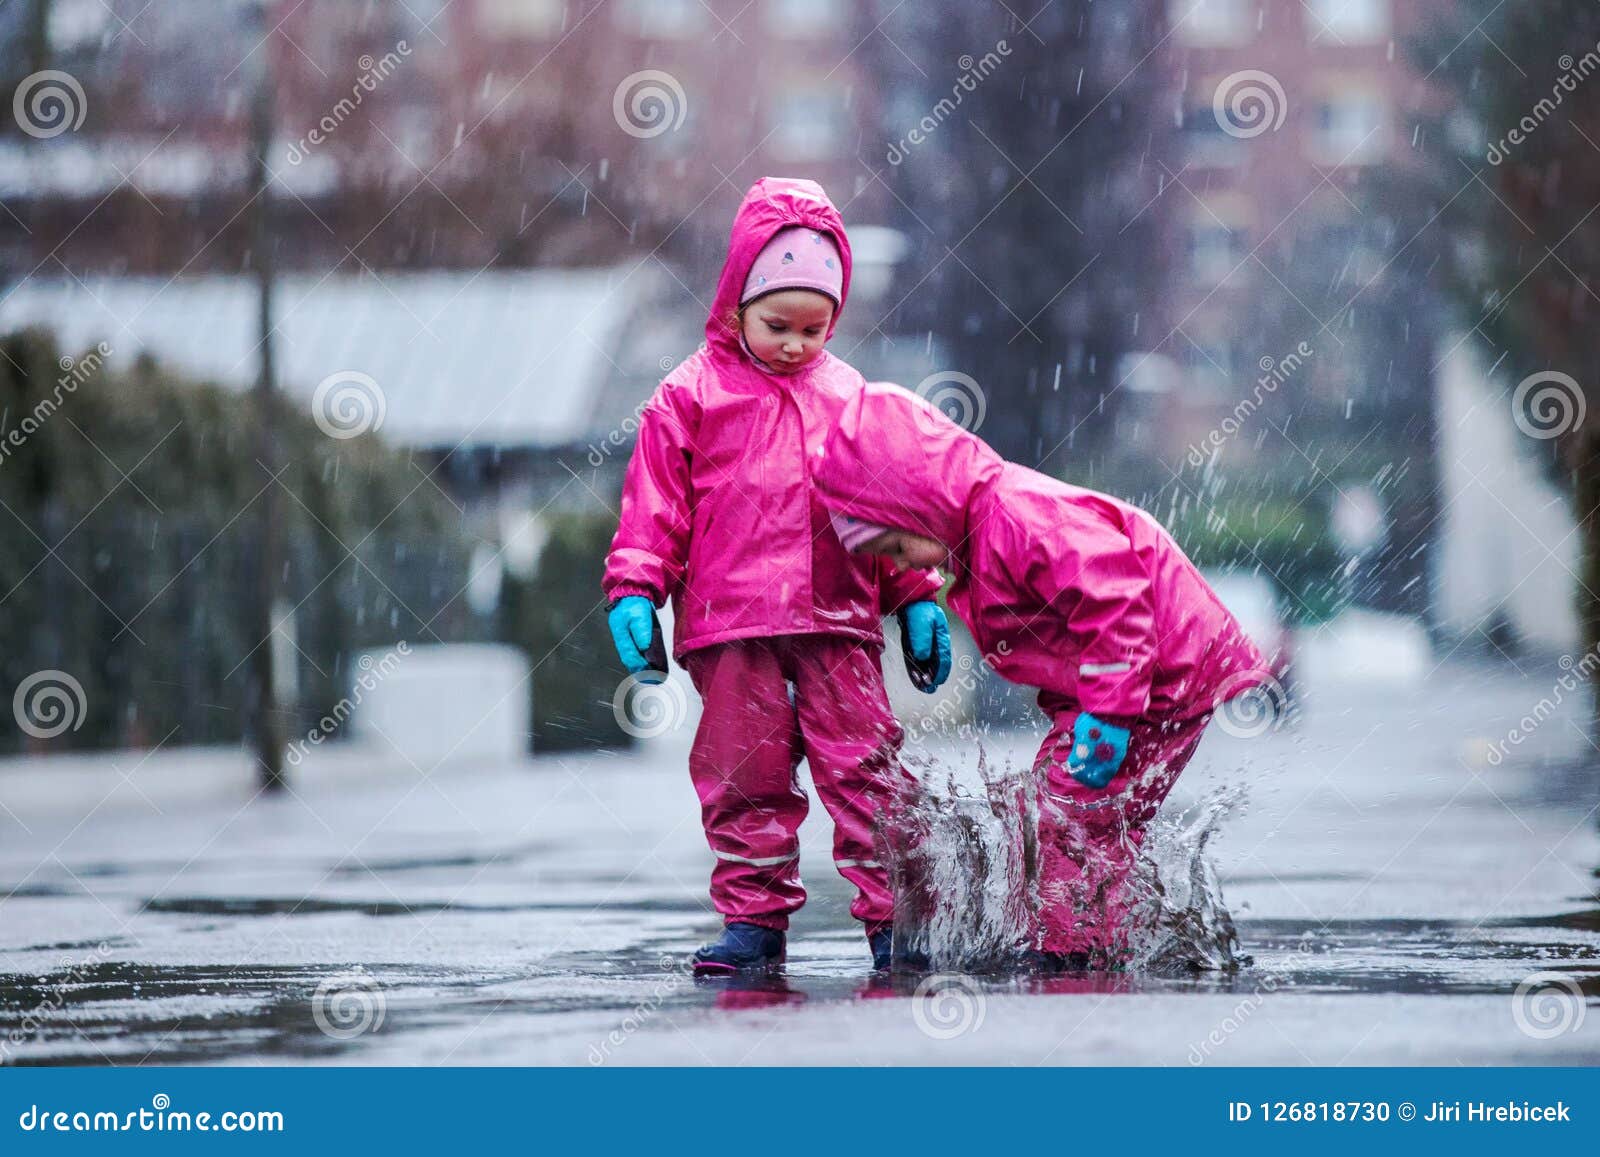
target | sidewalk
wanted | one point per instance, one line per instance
(1393, 887)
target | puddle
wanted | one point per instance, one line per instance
(310, 906)
(120, 1012)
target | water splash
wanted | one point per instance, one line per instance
(964, 867)
(1180, 922)
(964, 861)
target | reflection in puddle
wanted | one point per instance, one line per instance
(307, 906)
(106, 1011)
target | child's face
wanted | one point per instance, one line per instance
(786, 329)
(907, 551)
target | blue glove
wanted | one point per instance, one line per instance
(1098, 749)
(632, 630)
(925, 636)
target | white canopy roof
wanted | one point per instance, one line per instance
(498, 358)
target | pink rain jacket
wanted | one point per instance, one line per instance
(718, 509)
(1077, 593)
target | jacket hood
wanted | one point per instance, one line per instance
(772, 203)
(896, 460)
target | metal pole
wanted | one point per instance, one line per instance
(269, 517)
(39, 36)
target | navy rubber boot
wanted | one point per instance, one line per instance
(882, 945)
(741, 948)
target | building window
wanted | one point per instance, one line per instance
(77, 24)
(535, 19)
(1350, 128)
(1205, 143)
(1214, 251)
(660, 19)
(1212, 23)
(1347, 21)
(420, 18)
(806, 19)
(1210, 361)
(809, 124)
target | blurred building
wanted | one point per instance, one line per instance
(511, 389)
(1287, 350)
(1280, 113)
(425, 133)
(471, 199)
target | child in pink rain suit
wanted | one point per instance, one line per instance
(720, 516)
(1068, 590)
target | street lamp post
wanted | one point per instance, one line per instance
(268, 523)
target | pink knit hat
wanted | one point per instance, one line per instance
(853, 532)
(797, 257)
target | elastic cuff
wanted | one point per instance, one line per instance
(620, 593)
(776, 921)
(1126, 722)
